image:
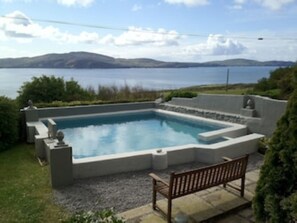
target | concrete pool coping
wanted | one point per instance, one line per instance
(141, 160)
(237, 144)
(229, 129)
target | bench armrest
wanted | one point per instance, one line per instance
(157, 178)
(226, 158)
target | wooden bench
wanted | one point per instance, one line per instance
(184, 183)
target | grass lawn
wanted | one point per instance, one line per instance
(236, 89)
(233, 89)
(25, 191)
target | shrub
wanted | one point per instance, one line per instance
(8, 123)
(263, 145)
(115, 93)
(279, 85)
(48, 89)
(276, 191)
(180, 94)
(105, 216)
(51, 88)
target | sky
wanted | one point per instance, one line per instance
(168, 30)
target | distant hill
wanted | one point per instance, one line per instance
(245, 62)
(92, 60)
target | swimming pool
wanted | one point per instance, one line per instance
(99, 135)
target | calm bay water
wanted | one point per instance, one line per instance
(157, 78)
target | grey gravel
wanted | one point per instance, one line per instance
(121, 191)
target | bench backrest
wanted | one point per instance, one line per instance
(195, 180)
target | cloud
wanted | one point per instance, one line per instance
(136, 8)
(83, 3)
(10, 1)
(18, 26)
(239, 1)
(188, 2)
(238, 4)
(141, 36)
(216, 45)
(270, 4)
(274, 4)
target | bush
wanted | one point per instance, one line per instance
(279, 85)
(276, 191)
(180, 94)
(263, 145)
(51, 88)
(105, 216)
(275, 93)
(115, 93)
(8, 123)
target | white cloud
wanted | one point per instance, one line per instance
(10, 1)
(18, 26)
(141, 36)
(238, 4)
(188, 2)
(216, 45)
(274, 4)
(239, 1)
(270, 4)
(136, 8)
(83, 3)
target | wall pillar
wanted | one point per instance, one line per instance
(60, 159)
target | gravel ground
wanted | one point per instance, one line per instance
(121, 191)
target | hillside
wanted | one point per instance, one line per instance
(92, 60)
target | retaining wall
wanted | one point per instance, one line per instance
(260, 118)
(92, 109)
(111, 164)
(222, 103)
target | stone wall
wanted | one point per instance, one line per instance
(221, 103)
(260, 114)
(228, 117)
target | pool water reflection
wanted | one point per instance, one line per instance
(104, 135)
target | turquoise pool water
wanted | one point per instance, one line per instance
(97, 136)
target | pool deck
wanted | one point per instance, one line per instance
(212, 205)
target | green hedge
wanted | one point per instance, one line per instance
(180, 94)
(50, 88)
(279, 85)
(275, 200)
(8, 123)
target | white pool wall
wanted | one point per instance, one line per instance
(142, 160)
(132, 161)
(238, 143)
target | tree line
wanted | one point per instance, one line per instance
(49, 89)
(279, 85)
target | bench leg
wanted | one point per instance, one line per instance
(169, 207)
(242, 186)
(154, 195)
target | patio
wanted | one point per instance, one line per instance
(212, 205)
(130, 196)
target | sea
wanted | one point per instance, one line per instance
(11, 80)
